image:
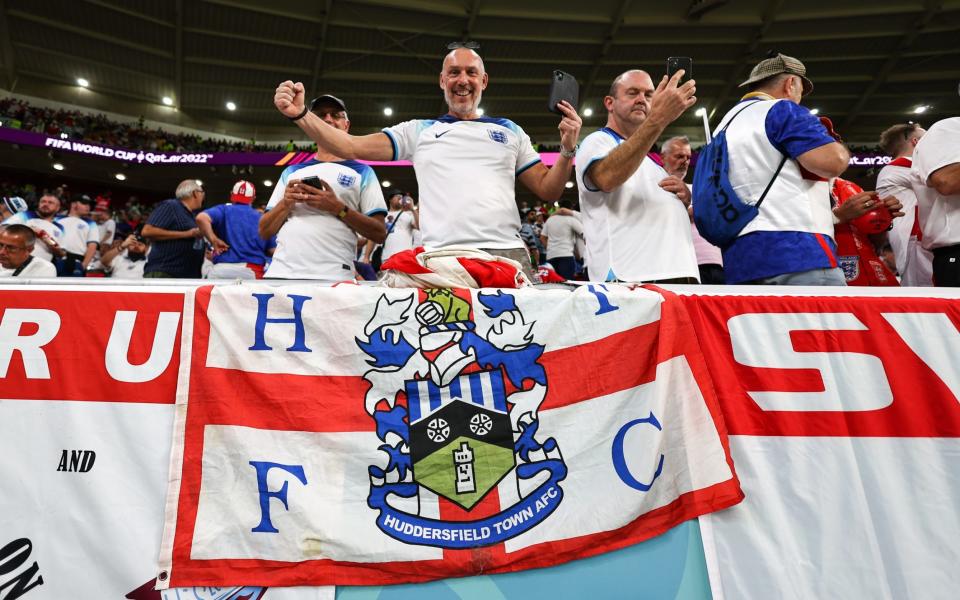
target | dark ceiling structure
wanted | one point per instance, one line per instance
(872, 62)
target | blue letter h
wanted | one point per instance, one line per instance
(299, 344)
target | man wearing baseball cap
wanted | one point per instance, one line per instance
(317, 224)
(775, 144)
(11, 205)
(238, 250)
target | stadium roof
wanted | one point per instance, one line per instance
(872, 62)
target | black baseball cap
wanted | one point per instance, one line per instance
(327, 99)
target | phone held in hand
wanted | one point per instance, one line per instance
(312, 181)
(563, 86)
(675, 63)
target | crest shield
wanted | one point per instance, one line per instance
(461, 441)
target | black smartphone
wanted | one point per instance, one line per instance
(675, 63)
(313, 181)
(563, 86)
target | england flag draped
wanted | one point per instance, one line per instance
(369, 436)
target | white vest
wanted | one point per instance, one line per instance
(793, 203)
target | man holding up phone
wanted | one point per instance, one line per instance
(466, 164)
(634, 213)
(318, 207)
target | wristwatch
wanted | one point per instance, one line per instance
(568, 153)
(343, 212)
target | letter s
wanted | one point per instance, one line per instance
(852, 381)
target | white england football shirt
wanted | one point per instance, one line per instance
(466, 172)
(939, 215)
(34, 221)
(77, 233)
(314, 244)
(562, 232)
(399, 233)
(637, 232)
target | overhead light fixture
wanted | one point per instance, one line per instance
(385, 183)
(82, 82)
(588, 112)
(568, 185)
(63, 136)
(120, 177)
(57, 167)
(199, 182)
(480, 111)
(814, 111)
(700, 112)
(388, 111)
(231, 105)
(920, 109)
(267, 183)
(167, 101)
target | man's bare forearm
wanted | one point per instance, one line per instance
(371, 228)
(611, 172)
(272, 220)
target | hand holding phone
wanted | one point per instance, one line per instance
(563, 86)
(676, 63)
(313, 181)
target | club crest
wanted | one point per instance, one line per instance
(456, 414)
(345, 180)
(497, 136)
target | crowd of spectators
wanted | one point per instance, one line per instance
(98, 129)
(327, 218)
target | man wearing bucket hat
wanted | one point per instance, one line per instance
(774, 144)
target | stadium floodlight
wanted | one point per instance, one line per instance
(814, 111)
(588, 112)
(700, 112)
(480, 111)
(82, 82)
(199, 182)
(386, 183)
(920, 109)
(167, 101)
(231, 105)
(120, 177)
(388, 111)
(267, 183)
(568, 185)
(57, 167)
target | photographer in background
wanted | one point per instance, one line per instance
(126, 261)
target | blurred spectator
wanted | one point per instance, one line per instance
(676, 154)
(635, 216)
(530, 234)
(16, 243)
(401, 221)
(42, 221)
(10, 206)
(127, 260)
(914, 263)
(129, 222)
(559, 237)
(778, 148)
(936, 166)
(855, 252)
(172, 230)
(81, 237)
(238, 250)
(108, 230)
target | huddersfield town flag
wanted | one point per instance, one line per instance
(363, 436)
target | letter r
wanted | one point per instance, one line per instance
(29, 346)
(263, 468)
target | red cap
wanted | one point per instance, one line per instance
(103, 205)
(243, 192)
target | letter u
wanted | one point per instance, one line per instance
(119, 367)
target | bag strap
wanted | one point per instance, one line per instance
(776, 173)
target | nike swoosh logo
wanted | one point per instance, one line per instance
(442, 134)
